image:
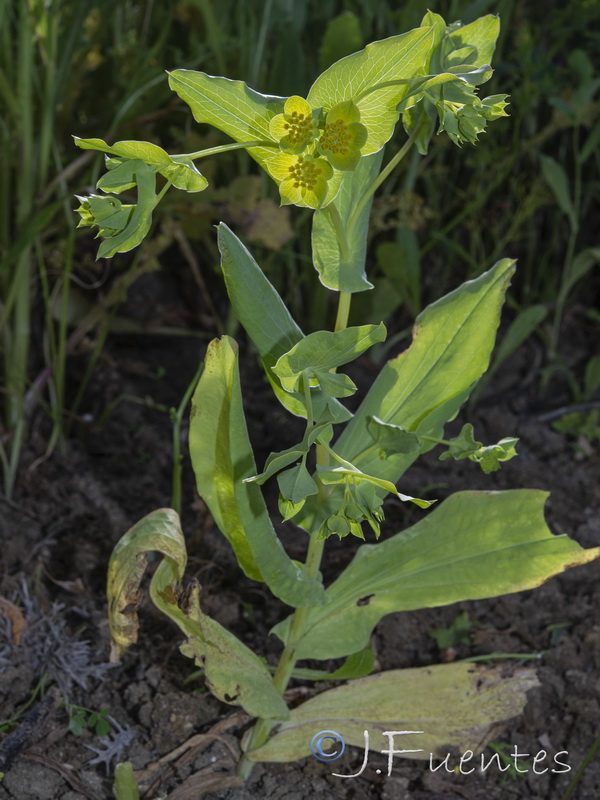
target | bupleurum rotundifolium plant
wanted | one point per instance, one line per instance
(325, 152)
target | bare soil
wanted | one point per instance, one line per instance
(71, 508)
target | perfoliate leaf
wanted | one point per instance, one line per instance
(427, 710)
(474, 545)
(337, 271)
(393, 438)
(462, 445)
(480, 37)
(283, 458)
(181, 171)
(374, 80)
(325, 350)
(296, 484)
(488, 457)
(347, 473)
(122, 226)
(222, 458)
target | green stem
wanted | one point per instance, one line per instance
(224, 148)
(343, 312)
(376, 183)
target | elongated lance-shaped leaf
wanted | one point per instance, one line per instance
(337, 271)
(474, 545)
(222, 458)
(231, 106)
(183, 173)
(323, 351)
(233, 673)
(452, 343)
(427, 711)
(384, 64)
(267, 321)
(159, 531)
(425, 386)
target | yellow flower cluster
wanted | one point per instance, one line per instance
(310, 149)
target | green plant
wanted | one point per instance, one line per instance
(81, 718)
(459, 632)
(325, 154)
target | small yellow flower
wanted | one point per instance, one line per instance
(295, 128)
(343, 136)
(302, 179)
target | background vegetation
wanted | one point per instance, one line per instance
(97, 68)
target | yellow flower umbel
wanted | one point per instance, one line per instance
(303, 179)
(343, 136)
(295, 129)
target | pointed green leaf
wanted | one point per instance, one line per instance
(136, 221)
(374, 80)
(488, 457)
(267, 321)
(336, 271)
(222, 458)
(181, 171)
(296, 484)
(462, 445)
(432, 710)
(325, 350)
(474, 545)
(233, 673)
(231, 106)
(425, 386)
(452, 343)
(347, 473)
(481, 35)
(283, 458)
(393, 438)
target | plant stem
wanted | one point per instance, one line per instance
(376, 183)
(223, 148)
